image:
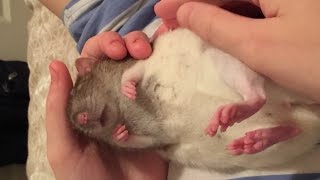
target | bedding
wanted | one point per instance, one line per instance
(49, 39)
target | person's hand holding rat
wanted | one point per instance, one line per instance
(111, 44)
(71, 157)
(108, 44)
(285, 46)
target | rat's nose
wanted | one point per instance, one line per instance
(82, 118)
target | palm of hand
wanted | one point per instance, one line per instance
(92, 161)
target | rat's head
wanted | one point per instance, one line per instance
(91, 108)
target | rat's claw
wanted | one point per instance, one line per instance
(120, 133)
(132, 83)
(211, 130)
(213, 126)
(130, 96)
(121, 129)
(116, 129)
(123, 136)
(129, 89)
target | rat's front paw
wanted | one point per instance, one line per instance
(120, 133)
(128, 89)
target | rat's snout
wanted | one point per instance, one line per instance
(85, 120)
(82, 118)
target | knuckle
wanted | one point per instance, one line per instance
(109, 36)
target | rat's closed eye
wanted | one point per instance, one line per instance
(104, 116)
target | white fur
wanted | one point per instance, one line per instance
(188, 71)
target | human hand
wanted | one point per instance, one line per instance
(73, 157)
(110, 44)
(167, 11)
(284, 46)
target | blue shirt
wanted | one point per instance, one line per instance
(86, 18)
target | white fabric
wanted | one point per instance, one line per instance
(48, 39)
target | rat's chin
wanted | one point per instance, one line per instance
(92, 132)
(90, 127)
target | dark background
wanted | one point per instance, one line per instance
(14, 101)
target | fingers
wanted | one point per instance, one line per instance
(138, 45)
(59, 133)
(112, 45)
(108, 44)
(166, 9)
(237, 35)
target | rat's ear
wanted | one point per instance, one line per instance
(85, 64)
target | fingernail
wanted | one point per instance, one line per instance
(116, 43)
(53, 73)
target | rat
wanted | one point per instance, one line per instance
(166, 101)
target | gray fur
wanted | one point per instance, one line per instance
(100, 90)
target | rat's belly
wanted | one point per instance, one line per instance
(181, 77)
(190, 89)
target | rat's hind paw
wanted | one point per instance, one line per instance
(261, 139)
(229, 114)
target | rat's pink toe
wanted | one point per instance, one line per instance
(123, 135)
(211, 130)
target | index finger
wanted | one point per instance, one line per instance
(167, 9)
(106, 44)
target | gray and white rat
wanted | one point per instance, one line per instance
(167, 102)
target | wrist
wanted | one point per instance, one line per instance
(55, 6)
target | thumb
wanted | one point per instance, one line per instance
(232, 33)
(59, 133)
